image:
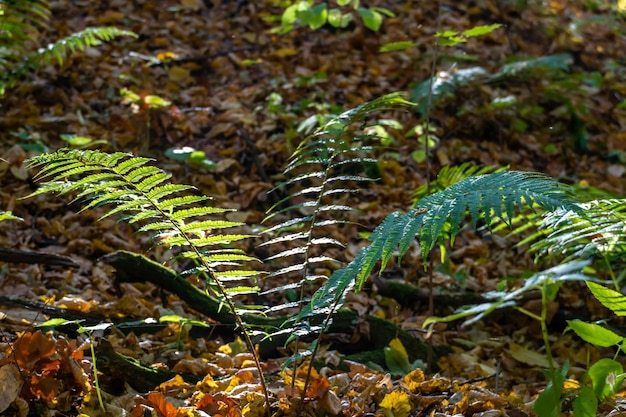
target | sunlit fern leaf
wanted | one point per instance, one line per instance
(598, 229)
(142, 194)
(451, 174)
(7, 215)
(571, 271)
(324, 171)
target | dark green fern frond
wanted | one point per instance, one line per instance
(143, 194)
(487, 197)
(490, 196)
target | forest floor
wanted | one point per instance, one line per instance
(237, 93)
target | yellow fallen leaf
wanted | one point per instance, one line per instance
(397, 345)
(414, 378)
(396, 404)
(283, 52)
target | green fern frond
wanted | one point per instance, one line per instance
(143, 194)
(322, 171)
(487, 197)
(20, 23)
(80, 41)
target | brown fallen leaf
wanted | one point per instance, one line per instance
(11, 383)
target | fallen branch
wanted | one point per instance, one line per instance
(132, 267)
(17, 256)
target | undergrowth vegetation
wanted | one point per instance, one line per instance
(576, 237)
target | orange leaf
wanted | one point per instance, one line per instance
(219, 405)
(317, 388)
(46, 388)
(31, 347)
(159, 403)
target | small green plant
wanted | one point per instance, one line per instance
(191, 155)
(307, 13)
(607, 375)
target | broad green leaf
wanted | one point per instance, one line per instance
(595, 334)
(155, 102)
(611, 299)
(481, 30)
(343, 2)
(289, 15)
(58, 322)
(586, 403)
(607, 376)
(317, 16)
(334, 19)
(548, 403)
(397, 362)
(77, 141)
(446, 34)
(371, 18)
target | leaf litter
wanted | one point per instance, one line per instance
(203, 73)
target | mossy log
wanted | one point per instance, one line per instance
(118, 367)
(365, 333)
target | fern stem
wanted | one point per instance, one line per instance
(314, 353)
(431, 306)
(95, 374)
(429, 102)
(221, 290)
(544, 326)
(314, 216)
